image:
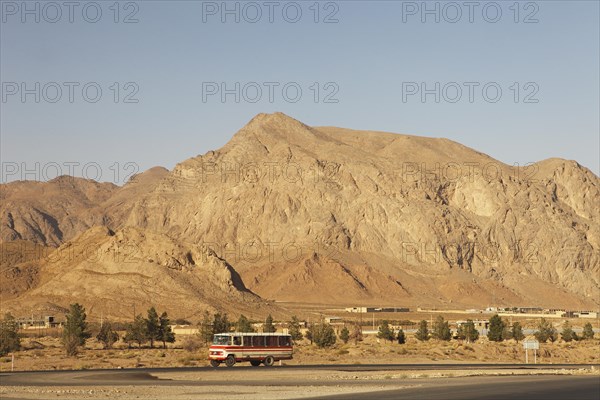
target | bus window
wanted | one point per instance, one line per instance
(271, 341)
(247, 341)
(221, 340)
(284, 341)
(237, 340)
(259, 341)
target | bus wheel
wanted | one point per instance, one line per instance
(255, 363)
(215, 363)
(269, 361)
(230, 360)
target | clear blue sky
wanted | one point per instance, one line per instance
(373, 49)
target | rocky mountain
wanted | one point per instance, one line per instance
(50, 213)
(326, 215)
(113, 272)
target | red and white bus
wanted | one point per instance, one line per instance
(257, 348)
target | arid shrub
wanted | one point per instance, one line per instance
(71, 344)
(192, 344)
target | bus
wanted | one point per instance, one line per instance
(257, 348)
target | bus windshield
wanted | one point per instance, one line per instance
(221, 339)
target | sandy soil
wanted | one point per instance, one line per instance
(186, 392)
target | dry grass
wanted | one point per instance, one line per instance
(53, 356)
(370, 351)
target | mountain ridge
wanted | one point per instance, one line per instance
(395, 218)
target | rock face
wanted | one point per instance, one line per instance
(112, 272)
(321, 214)
(53, 212)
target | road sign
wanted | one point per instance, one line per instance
(532, 344)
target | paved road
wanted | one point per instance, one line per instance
(488, 388)
(140, 375)
(143, 376)
(529, 387)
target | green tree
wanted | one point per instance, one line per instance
(546, 331)
(294, 329)
(422, 333)
(385, 332)
(506, 332)
(588, 331)
(460, 332)
(497, 328)
(136, 332)
(152, 326)
(441, 329)
(567, 334)
(345, 335)
(310, 332)
(356, 334)
(517, 332)
(221, 323)
(467, 331)
(323, 335)
(9, 335)
(243, 325)
(75, 331)
(401, 336)
(206, 328)
(165, 333)
(269, 327)
(107, 335)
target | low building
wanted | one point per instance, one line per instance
(393, 309)
(556, 311)
(334, 320)
(356, 309)
(376, 309)
(184, 330)
(37, 323)
(479, 323)
(530, 310)
(586, 314)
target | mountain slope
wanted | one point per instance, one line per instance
(418, 203)
(319, 214)
(51, 212)
(113, 272)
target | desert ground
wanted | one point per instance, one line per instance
(47, 353)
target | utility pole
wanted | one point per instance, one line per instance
(373, 320)
(361, 320)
